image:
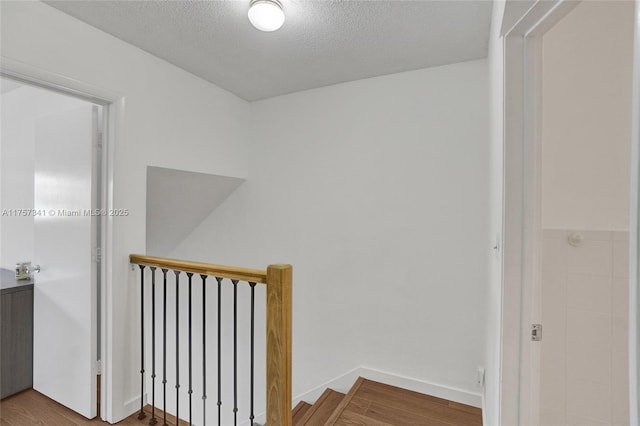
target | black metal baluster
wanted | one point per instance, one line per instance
(177, 346)
(189, 274)
(251, 391)
(235, 352)
(164, 347)
(219, 349)
(141, 415)
(204, 352)
(153, 419)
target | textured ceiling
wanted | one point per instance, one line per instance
(322, 42)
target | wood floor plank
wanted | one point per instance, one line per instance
(345, 402)
(31, 408)
(349, 418)
(368, 403)
(359, 405)
(299, 411)
(301, 406)
(315, 407)
(320, 412)
(171, 419)
(416, 403)
(396, 417)
(468, 408)
(383, 387)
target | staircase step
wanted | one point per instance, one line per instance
(376, 404)
(319, 413)
(299, 411)
(345, 402)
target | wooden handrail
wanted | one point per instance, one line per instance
(236, 273)
(278, 279)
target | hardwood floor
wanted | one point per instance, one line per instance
(319, 413)
(30, 408)
(368, 403)
(390, 405)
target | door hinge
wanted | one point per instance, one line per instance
(99, 141)
(98, 367)
(97, 254)
(536, 332)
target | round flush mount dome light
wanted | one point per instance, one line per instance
(266, 15)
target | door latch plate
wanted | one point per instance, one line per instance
(536, 332)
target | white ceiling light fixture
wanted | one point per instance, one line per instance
(266, 15)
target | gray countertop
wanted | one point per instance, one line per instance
(9, 281)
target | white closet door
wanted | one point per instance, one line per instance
(65, 289)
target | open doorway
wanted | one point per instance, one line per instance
(51, 227)
(570, 246)
(584, 173)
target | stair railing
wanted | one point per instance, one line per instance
(278, 281)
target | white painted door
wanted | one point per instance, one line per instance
(65, 290)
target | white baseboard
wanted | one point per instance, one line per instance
(434, 389)
(484, 412)
(341, 384)
(133, 406)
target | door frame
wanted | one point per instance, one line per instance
(522, 65)
(634, 232)
(112, 129)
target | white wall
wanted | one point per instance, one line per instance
(587, 63)
(491, 408)
(377, 192)
(20, 108)
(170, 115)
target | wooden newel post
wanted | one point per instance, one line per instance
(279, 345)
